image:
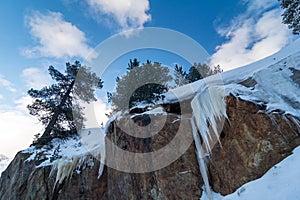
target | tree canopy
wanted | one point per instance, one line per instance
(291, 14)
(55, 105)
(144, 83)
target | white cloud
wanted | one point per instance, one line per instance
(6, 84)
(17, 128)
(259, 5)
(55, 36)
(35, 78)
(17, 132)
(1, 97)
(127, 14)
(21, 104)
(252, 36)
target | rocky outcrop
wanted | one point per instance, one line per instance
(252, 142)
(179, 180)
(23, 180)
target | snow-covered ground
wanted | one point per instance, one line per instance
(281, 182)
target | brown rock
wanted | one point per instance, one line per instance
(251, 145)
(252, 142)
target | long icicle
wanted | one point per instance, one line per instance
(201, 159)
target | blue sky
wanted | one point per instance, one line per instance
(35, 34)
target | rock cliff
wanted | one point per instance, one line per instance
(252, 142)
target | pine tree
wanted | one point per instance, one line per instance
(143, 84)
(199, 71)
(133, 64)
(55, 105)
(291, 15)
(180, 76)
(217, 69)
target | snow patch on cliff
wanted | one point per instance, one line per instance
(71, 155)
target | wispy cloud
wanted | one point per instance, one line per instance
(35, 77)
(6, 84)
(55, 37)
(253, 35)
(127, 14)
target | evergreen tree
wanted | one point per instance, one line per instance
(217, 69)
(55, 105)
(180, 76)
(291, 15)
(133, 64)
(198, 71)
(144, 84)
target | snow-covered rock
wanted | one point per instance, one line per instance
(260, 106)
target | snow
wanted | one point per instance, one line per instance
(269, 84)
(185, 172)
(281, 182)
(3, 164)
(274, 87)
(155, 111)
(72, 154)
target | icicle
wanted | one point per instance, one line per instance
(102, 160)
(297, 123)
(209, 109)
(201, 160)
(64, 168)
(101, 169)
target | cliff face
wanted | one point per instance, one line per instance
(252, 142)
(23, 180)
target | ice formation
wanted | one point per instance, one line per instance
(201, 160)
(72, 155)
(66, 166)
(209, 112)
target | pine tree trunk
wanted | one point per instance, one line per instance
(47, 132)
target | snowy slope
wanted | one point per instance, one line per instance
(266, 82)
(282, 182)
